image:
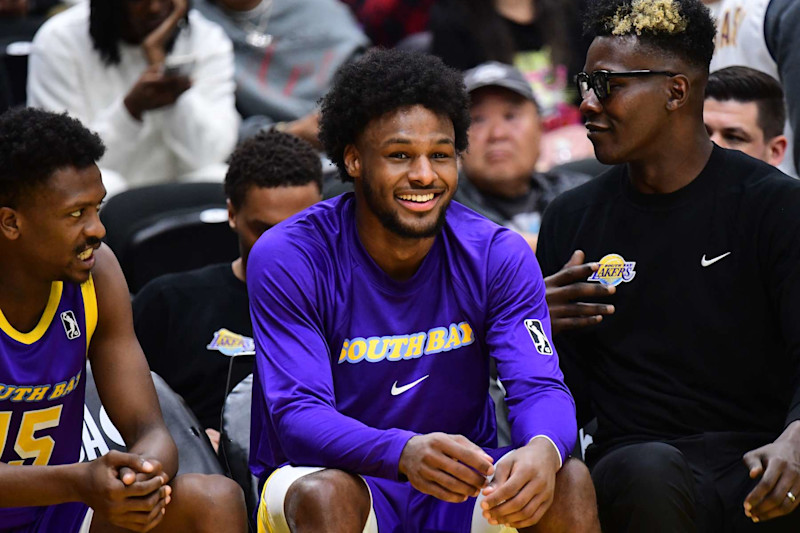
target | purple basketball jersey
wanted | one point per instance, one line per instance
(351, 363)
(42, 387)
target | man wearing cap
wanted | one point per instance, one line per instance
(498, 175)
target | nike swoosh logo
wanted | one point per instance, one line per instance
(708, 262)
(400, 390)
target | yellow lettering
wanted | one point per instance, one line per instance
(395, 348)
(20, 394)
(6, 391)
(453, 340)
(70, 386)
(58, 391)
(38, 393)
(5, 422)
(357, 350)
(372, 354)
(436, 339)
(724, 31)
(738, 15)
(415, 344)
(466, 333)
(400, 347)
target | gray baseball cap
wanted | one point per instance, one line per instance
(494, 74)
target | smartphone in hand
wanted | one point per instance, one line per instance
(179, 65)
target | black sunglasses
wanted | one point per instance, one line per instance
(598, 80)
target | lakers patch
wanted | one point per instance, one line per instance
(232, 344)
(540, 340)
(614, 270)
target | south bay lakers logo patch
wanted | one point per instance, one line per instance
(614, 270)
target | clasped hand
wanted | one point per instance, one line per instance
(127, 490)
(452, 468)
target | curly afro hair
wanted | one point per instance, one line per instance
(35, 143)
(382, 81)
(271, 159)
(682, 28)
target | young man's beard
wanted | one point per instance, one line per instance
(392, 222)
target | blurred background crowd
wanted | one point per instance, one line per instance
(174, 86)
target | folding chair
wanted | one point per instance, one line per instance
(195, 454)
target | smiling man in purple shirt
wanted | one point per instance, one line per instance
(375, 316)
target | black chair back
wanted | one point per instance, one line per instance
(168, 228)
(234, 447)
(195, 454)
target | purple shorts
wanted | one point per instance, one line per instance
(400, 508)
(65, 517)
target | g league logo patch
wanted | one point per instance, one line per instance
(540, 340)
(70, 325)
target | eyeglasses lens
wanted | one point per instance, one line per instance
(597, 81)
(582, 80)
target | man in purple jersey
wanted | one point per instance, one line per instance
(375, 317)
(63, 299)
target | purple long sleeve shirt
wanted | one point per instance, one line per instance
(351, 363)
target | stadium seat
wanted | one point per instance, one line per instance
(234, 448)
(195, 453)
(168, 228)
(13, 73)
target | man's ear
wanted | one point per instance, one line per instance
(776, 150)
(679, 88)
(352, 161)
(231, 214)
(9, 223)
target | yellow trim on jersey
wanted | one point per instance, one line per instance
(36, 333)
(89, 308)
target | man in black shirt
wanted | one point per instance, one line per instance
(693, 378)
(191, 323)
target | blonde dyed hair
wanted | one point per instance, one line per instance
(653, 16)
